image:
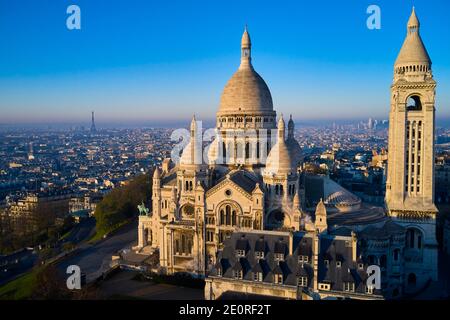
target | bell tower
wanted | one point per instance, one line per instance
(410, 179)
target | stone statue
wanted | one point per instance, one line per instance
(143, 211)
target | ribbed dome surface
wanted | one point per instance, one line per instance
(294, 149)
(413, 50)
(246, 91)
(279, 161)
(213, 152)
(186, 156)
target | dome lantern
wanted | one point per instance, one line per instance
(246, 50)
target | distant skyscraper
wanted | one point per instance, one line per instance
(410, 180)
(370, 123)
(93, 129)
(30, 152)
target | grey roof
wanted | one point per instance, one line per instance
(242, 244)
(260, 245)
(245, 180)
(335, 248)
(386, 231)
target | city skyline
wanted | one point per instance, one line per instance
(150, 62)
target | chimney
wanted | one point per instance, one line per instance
(316, 252)
(354, 246)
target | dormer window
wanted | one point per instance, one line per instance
(240, 253)
(259, 255)
(258, 276)
(369, 289)
(219, 272)
(279, 256)
(338, 264)
(303, 259)
(349, 286)
(238, 274)
(360, 266)
(278, 279)
(302, 281)
(326, 262)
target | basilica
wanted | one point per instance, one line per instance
(243, 211)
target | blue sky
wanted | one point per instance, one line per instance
(160, 61)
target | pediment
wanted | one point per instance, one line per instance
(227, 184)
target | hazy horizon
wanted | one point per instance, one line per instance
(207, 123)
(141, 61)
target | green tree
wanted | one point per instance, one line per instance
(121, 203)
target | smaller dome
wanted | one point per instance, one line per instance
(186, 156)
(279, 161)
(213, 152)
(191, 157)
(295, 150)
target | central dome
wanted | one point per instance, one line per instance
(246, 91)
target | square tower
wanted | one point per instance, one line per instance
(410, 180)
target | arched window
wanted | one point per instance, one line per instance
(222, 217)
(228, 215)
(396, 254)
(183, 243)
(233, 218)
(414, 239)
(257, 150)
(189, 247)
(247, 150)
(410, 238)
(413, 103)
(177, 246)
(187, 186)
(224, 152)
